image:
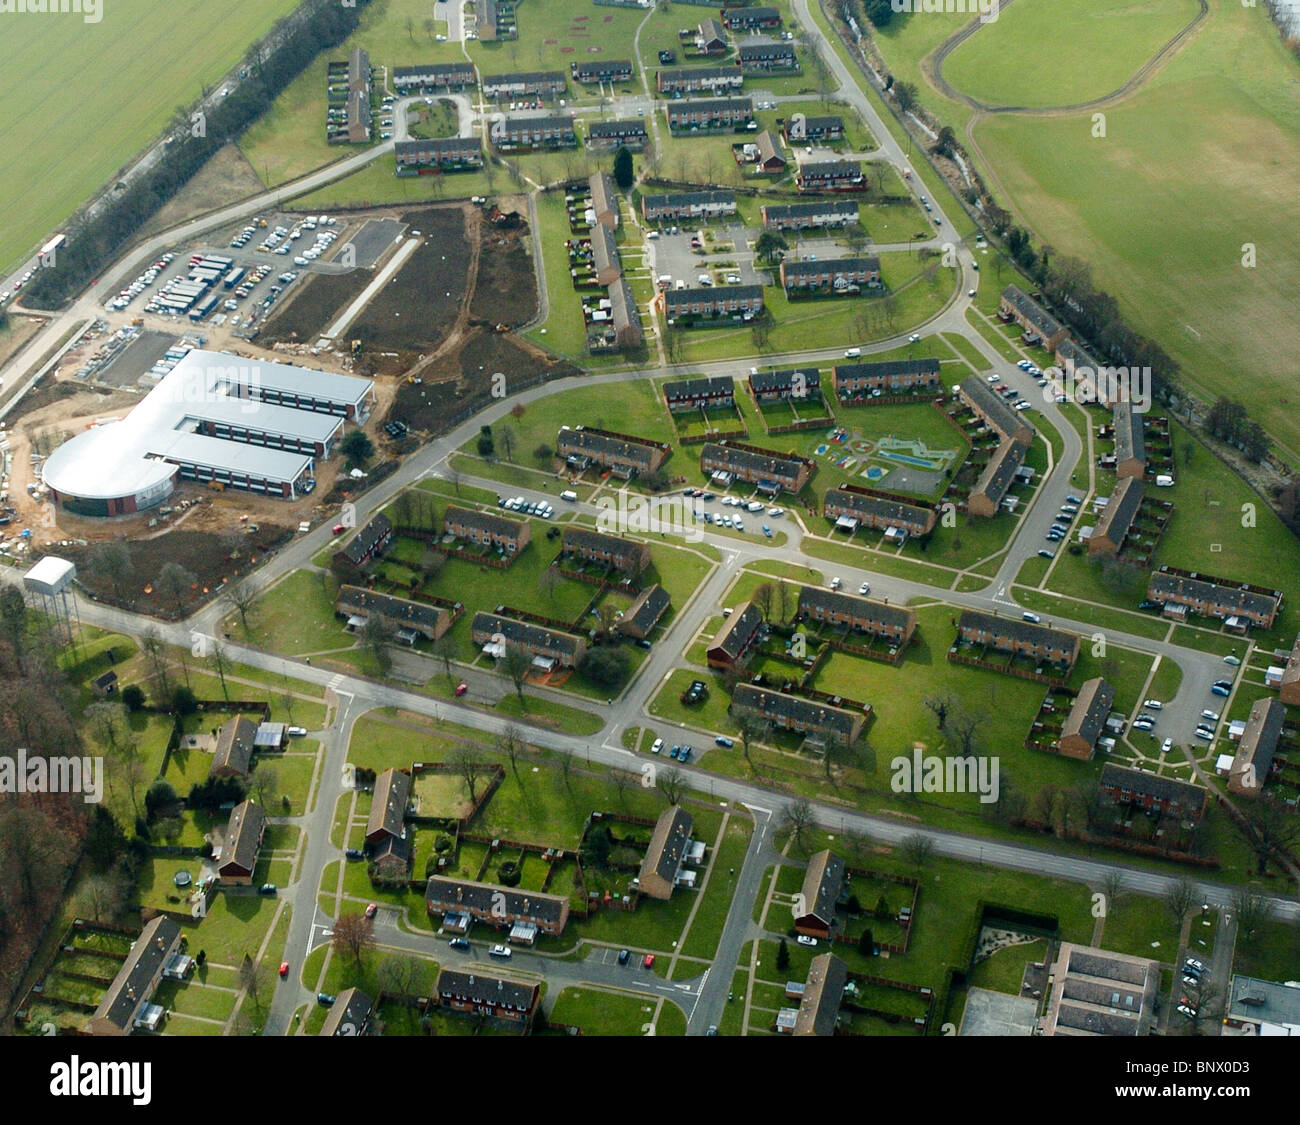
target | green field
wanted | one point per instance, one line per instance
(1115, 36)
(75, 111)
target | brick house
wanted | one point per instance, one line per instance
(604, 255)
(234, 751)
(349, 1014)
(1130, 441)
(716, 392)
(1116, 520)
(1289, 684)
(701, 114)
(533, 134)
(365, 546)
(626, 556)
(406, 618)
(799, 383)
(770, 158)
(814, 130)
(604, 199)
(895, 624)
(664, 853)
(498, 906)
(766, 56)
(1087, 718)
(443, 154)
(823, 992)
(624, 319)
(392, 794)
(771, 473)
(856, 382)
(831, 276)
(734, 641)
(688, 205)
(644, 613)
(591, 71)
(750, 19)
(1021, 638)
(127, 1003)
(739, 301)
(823, 883)
(814, 213)
(628, 133)
(431, 78)
(548, 645)
(1215, 597)
(1257, 748)
(486, 995)
(694, 79)
(710, 38)
(852, 506)
(996, 479)
(1092, 381)
(243, 839)
(1152, 792)
(818, 721)
(623, 455)
(995, 411)
(487, 529)
(830, 175)
(1039, 326)
(537, 83)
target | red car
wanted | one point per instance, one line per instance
(649, 962)
(284, 968)
(370, 910)
(338, 529)
(461, 689)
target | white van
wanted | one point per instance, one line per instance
(853, 353)
(1164, 480)
(569, 495)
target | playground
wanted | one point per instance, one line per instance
(901, 464)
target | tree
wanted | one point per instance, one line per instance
(264, 784)
(769, 245)
(357, 447)
(1181, 899)
(255, 978)
(942, 706)
(220, 662)
(797, 819)
(945, 143)
(101, 898)
(605, 666)
(916, 849)
(486, 445)
(753, 728)
(111, 560)
(905, 95)
(241, 599)
(184, 701)
(431, 562)
(13, 622)
(467, 762)
(1252, 911)
(133, 697)
(784, 601)
(548, 581)
(596, 847)
(353, 936)
(398, 973)
(514, 664)
(965, 726)
(782, 956)
(1112, 886)
(444, 648)
(375, 635)
(671, 782)
(543, 454)
(867, 944)
(511, 743)
(173, 584)
(624, 173)
(159, 797)
(762, 598)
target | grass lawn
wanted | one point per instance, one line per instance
(235, 925)
(1004, 970)
(706, 928)
(599, 1012)
(297, 614)
(73, 144)
(1272, 953)
(1135, 922)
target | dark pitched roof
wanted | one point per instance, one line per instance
(483, 897)
(644, 613)
(436, 147)
(1000, 472)
(527, 634)
(604, 249)
(778, 706)
(463, 70)
(823, 991)
(753, 460)
(893, 616)
(823, 123)
(601, 66)
(1204, 587)
(681, 73)
(663, 855)
(145, 960)
(769, 148)
(350, 1013)
(620, 128)
(1090, 710)
(234, 745)
(766, 50)
(1016, 628)
(718, 295)
(489, 522)
(886, 369)
(418, 615)
(622, 305)
(363, 544)
(1260, 738)
(777, 211)
(832, 168)
(738, 630)
(823, 882)
(530, 77)
(243, 835)
(1120, 510)
(1291, 672)
(486, 988)
(809, 268)
(700, 386)
(1130, 440)
(596, 443)
(604, 197)
(866, 504)
(597, 542)
(996, 410)
(539, 125)
(1168, 789)
(1043, 322)
(772, 382)
(680, 200)
(388, 803)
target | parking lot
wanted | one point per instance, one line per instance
(673, 255)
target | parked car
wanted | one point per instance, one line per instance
(1190, 1013)
(502, 951)
(657, 746)
(623, 956)
(648, 961)
(1217, 690)
(1166, 746)
(1142, 724)
(1154, 704)
(355, 853)
(804, 939)
(1046, 554)
(461, 688)
(1235, 661)
(1204, 734)
(1193, 963)
(284, 968)
(266, 889)
(1213, 716)
(459, 943)
(685, 755)
(865, 588)
(722, 740)
(297, 732)
(372, 910)
(326, 999)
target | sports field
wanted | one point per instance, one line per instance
(1006, 63)
(81, 99)
(1214, 123)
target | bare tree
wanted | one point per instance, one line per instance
(798, 820)
(173, 584)
(156, 654)
(220, 661)
(547, 582)
(784, 598)
(1112, 886)
(514, 664)
(671, 782)
(753, 728)
(511, 743)
(353, 936)
(264, 784)
(964, 726)
(112, 561)
(241, 599)
(916, 849)
(101, 898)
(255, 978)
(1181, 899)
(467, 762)
(444, 648)
(398, 974)
(942, 706)
(375, 637)
(762, 598)
(1253, 910)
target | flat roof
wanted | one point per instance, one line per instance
(137, 453)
